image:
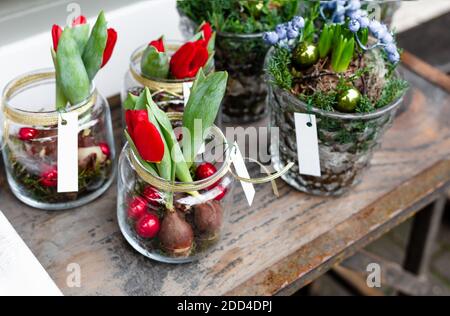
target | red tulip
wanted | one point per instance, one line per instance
(110, 44)
(158, 44)
(187, 61)
(207, 31)
(79, 21)
(56, 34)
(145, 135)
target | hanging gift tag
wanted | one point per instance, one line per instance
(307, 144)
(187, 91)
(68, 152)
(241, 170)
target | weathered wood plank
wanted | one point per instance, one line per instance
(256, 254)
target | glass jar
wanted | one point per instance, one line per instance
(184, 220)
(31, 140)
(346, 142)
(167, 93)
(242, 55)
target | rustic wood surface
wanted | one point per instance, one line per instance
(274, 247)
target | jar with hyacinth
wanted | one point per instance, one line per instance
(338, 64)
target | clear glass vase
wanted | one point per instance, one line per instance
(31, 140)
(167, 93)
(175, 222)
(346, 142)
(242, 55)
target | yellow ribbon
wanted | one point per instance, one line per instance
(167, 186)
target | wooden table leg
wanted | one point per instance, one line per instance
(422, 237)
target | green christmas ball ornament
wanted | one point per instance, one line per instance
(306, 55)
(348, 100)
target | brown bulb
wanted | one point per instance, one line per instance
(176, 235)
(208, 218)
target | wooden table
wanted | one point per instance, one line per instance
(275, 247)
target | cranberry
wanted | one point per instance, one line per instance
(137, 208)
(152, 196)
(27, 133)
(148, 226)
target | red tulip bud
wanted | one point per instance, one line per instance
(207, 32)
(56, 34)
(158, 44)
(110, 44)
(79, 21)
(188, 60)
(145, 135)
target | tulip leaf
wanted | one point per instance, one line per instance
(71, 73)
(130, 102)
(60, 100)
(141, 102)
(206, 96)
(147, 165)
(95, 47)
(181, 168)
(165, 166)
(155, 64)
(80, 34)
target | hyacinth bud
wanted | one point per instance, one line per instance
(270, 38)
(354, 5)
(387, 38)
(394, 58)
(298, 22)
(374, 27)
(354, 15)
(340, 10)
(391, 48)
(364, 22)
(281, 31)
(354, 26)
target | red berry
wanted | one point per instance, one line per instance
(222, 194)
(27, 133)
(137, 208)
(147, 226)
(205, 170)
(49, 178)
(152, 196)
(105, 149)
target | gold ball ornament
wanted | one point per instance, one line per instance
(306, 55)
(348, 100)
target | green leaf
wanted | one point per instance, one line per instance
(326, 40)
(155, 64)
(165, 166)
(80, 34)
(141, 102)
(181, 168)
(71, 73)
(203, 105)
(95, 47)
(60, 100)
(147, 165)
(130, 102)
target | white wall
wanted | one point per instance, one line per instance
(136, 24)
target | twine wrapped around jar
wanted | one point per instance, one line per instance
(32, 118)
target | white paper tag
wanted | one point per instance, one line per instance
(68, 152)
(307, 144)
(241, 170)
(187, 91)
